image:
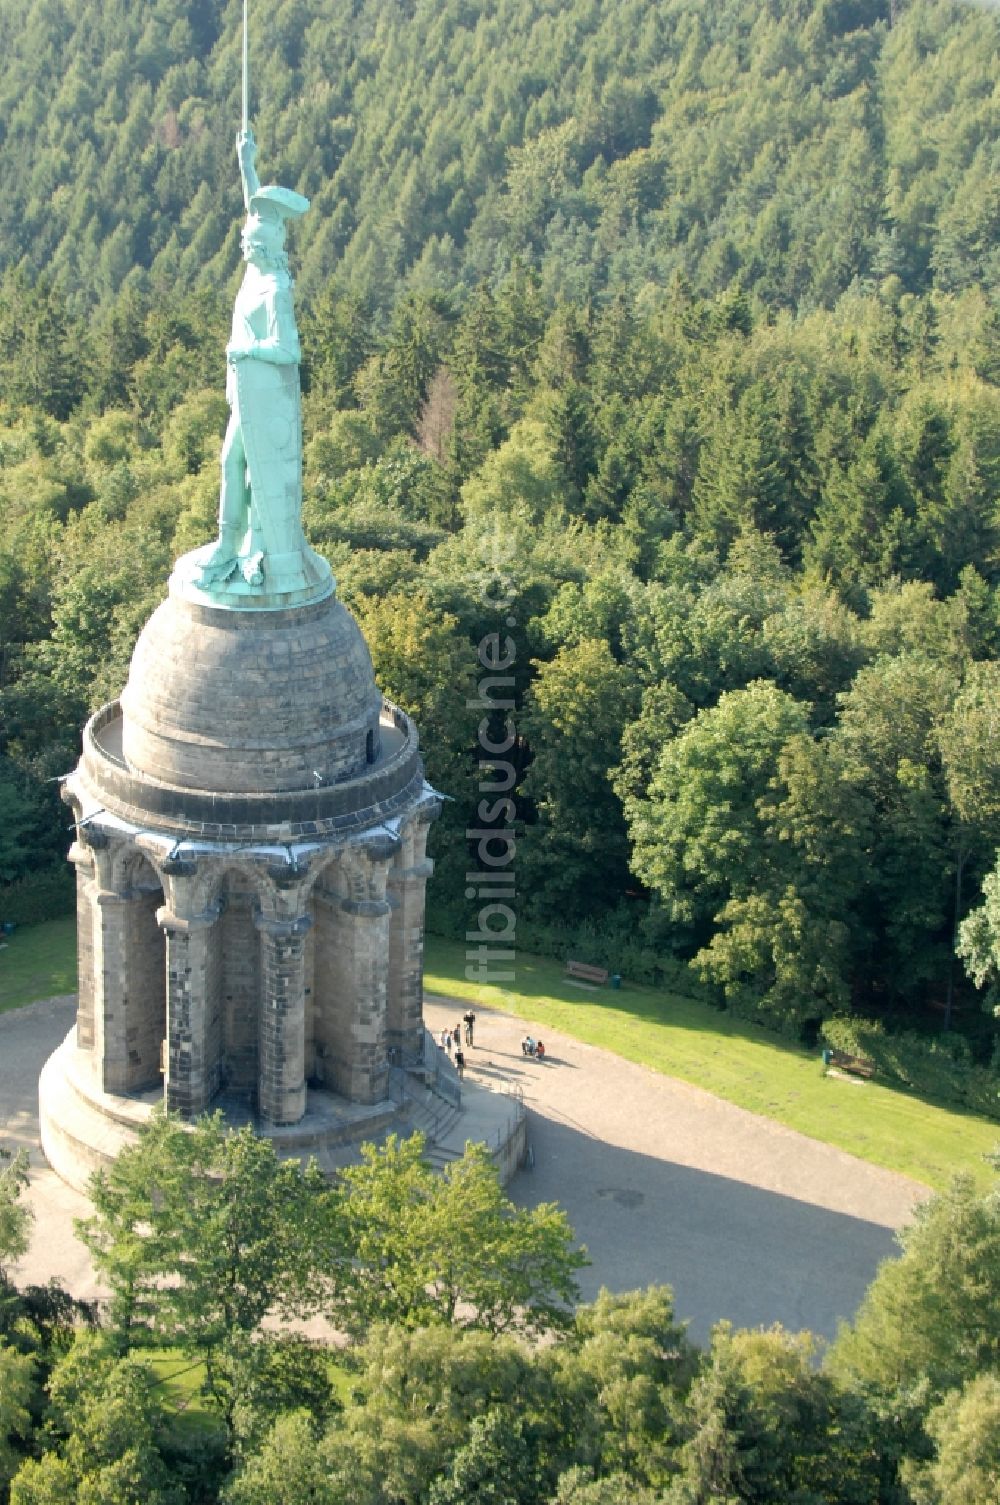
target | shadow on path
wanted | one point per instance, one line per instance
(727, 1249)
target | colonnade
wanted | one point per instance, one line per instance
(233, 972)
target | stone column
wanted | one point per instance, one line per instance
(86, 890)
(110, 993)
(407, 885)
(281, 1090)
(102, 954)
(363, 1065)
(193, 1024)
(351, 966)
(120, 1011)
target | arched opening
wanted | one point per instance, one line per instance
(240, 987)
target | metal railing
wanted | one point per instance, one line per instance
(441, 1068)
(436, 1071)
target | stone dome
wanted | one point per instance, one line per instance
(250, 701)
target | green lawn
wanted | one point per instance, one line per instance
(735, 1061)
(38, 961)
(179, 1382)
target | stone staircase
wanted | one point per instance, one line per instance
(433, 1117)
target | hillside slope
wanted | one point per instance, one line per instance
(790, 147)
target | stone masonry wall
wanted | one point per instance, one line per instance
(309, 976)
(146, 1000)
(214, 1011)
(84, 951)
(111, 990)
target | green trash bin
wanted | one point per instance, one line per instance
(616, 981)
(827, 1057)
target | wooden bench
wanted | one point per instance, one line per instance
(585, 973)
(857, 1065)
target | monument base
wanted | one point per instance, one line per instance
(84, 1129)
(277, 581)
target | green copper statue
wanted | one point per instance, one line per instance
(261, 557)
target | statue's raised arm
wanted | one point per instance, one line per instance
(246, 154)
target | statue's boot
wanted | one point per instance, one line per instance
(221, 561)
(251, 568)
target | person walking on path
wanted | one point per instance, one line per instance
(446, 1041)
(470, 1024)
(460, 1061)
(456, 1035)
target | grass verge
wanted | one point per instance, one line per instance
(737, 1061)
(38, 961)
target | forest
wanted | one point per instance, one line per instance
(439, 1392)
(789, 147)
(676, 330)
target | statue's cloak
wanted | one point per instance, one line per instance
(270, 418)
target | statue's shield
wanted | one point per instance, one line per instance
(271, 424)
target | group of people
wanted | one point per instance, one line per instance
(451, 1041)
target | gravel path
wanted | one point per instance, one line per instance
(662, 1182)
(27, 1038)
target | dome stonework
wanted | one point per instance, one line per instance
(248, 702)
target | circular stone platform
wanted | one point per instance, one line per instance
(84, 1129)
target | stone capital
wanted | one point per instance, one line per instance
(381, 846)
(269, 925)
(287, 874)
(427, 812)
(107, 898)
(368, 908)
(419, 870)
(175, 924)
(82, 856)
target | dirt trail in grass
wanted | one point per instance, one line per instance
(745, 1218)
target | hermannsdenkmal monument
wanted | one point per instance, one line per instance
(251, 816)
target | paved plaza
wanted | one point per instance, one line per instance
(662, 1182)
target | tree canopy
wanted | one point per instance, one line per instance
(657, 349)
(786, 151)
